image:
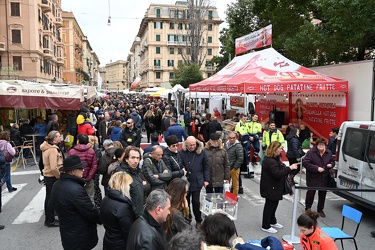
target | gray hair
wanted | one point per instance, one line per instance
(188, 239)
(153, 149)
(107, 143)
(158, 197)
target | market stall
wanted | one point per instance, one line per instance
(292, 92)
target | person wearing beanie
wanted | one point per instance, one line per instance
(220, 167)
(172, 159)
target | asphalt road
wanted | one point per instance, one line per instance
(23, 216)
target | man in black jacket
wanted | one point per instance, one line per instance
(131, 135)
(146, 232)
(78, 216)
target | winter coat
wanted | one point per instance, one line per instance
(318, 240)
(196, 164)
(312, 161)
(177, 130)
(294, 146)
(52, 159)
(146, 233)
(131, 137)
(235, 154)
(214, 126)
(219, 164)
(272, 178)
(5, 145)
(174, 163)
(15, 136)
(86, 154)
(86, 128)
(40, 129)
(138, 191)
(179, 224)
(102, 131)
(117, 216)
(116, 133)
(190, 128)
(270, 136)
(77, 215)
(52, 126)
(26, 129)
(151, 167)
(104, 163)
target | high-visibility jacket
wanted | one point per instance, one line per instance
(319, 240)
(242, 128)
(276, 136)
(255, 129)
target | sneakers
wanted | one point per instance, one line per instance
(55, 223)
(2, 227)
(12, 189)
(322, 214)
(270, 230)
(277, 225)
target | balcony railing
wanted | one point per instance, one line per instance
(210, 68)
(58, 22)
(158, 68)
(2, 46)
(60, 60)
(45, 5)
(179, 43)
(47, 53)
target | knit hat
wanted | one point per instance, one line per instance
(172, 139)
(214, 136)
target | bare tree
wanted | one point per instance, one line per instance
(197, 17)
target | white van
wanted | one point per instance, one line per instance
(356, 161)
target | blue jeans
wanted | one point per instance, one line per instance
(49, 209)
(6, 177)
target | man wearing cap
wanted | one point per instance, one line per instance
(77, 214)
(219, 164)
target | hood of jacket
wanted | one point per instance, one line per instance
(198, 149)
(45, 145)
(81, 147)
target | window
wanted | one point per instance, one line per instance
(179, 51)
(15, 9)
(210, 27)
(158, 13)
(209, 74)
(158, 75)
(180, 26)
(171, 26)
(158, 38)
(355, 143)
(16, 36)
(171, 51)
(156, 62)
(158, 25)
(17, 63)
(209, 52)
(187, 26)
(209, 40)
(157, 50)
(171, 75)
(170, 63)
(210, 15)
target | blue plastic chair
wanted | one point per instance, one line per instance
(338, 234)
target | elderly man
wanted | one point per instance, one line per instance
(175, 129)
(131, 135)
(77, 214)
(88, 155)
(154, 169)
(195, 160)
(146, 232)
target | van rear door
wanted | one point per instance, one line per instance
(351, 158)
(368, 178)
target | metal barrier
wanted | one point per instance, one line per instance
(292, 239)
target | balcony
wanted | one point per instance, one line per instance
(178, 43)
(47, 32)
(59, 43)
(59, 22)
(2, 46)
(60, 60)
(209, 68)
(46, 6)
(47, 53)
(158, 68)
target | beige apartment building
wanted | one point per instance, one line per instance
(31, 46)
(115, 76)
(162, 39)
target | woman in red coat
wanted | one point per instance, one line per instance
(318, 162)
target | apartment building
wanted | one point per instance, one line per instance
(115, 77)
(164, 36)
(31, 47)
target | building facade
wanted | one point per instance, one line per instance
(165, 39)
(115, 76)
(31, 47)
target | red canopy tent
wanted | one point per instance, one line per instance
(282, 82)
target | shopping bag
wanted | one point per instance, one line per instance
(68, 142)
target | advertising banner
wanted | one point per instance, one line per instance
(237, 101)
(255, 40)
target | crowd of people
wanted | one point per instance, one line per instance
(150, 199)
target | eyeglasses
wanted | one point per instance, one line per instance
(174, 145)
(128, 123)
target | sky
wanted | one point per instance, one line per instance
(113, 42)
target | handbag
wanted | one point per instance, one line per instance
(331, 180)
(151, 126)
(7, 155)
(287, 187)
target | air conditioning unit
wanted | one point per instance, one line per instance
(2, 46)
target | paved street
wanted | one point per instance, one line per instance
(22, 215)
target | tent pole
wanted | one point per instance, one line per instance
(290, 107)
